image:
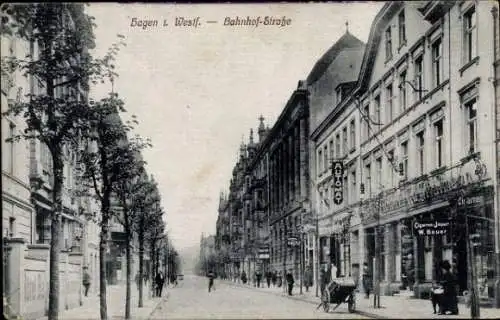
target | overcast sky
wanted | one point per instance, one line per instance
(198, 91)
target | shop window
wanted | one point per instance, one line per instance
(469, 35)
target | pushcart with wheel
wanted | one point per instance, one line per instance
(337, 292)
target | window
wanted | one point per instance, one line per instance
(378, 172)
(345, 187)
(402, 91)
(391, 168)
(337, 144)
(366, 124)
(419, 77)
(420, 152)
(325, 161)
(437, 65)
(320, 162)
(402, 28)
(470, 41)
(438, 148)
(353, 134)
(331, 149)
(388, 44)
(11, 147)
(338, 95)
(471, 125)
(404, 159)
(377, 110)
(368, 179)
(353, 186)
(345, 141)
(390, 107)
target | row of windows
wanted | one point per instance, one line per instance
(345, 142)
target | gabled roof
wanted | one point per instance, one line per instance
(382, 18)
(346, 41)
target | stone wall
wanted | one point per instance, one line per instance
(26, 289)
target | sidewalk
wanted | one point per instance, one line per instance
(116, 304)
(392, 307)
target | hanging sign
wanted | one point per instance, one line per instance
(431, 228)
(338, 173)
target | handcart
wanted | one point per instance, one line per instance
(337, 292)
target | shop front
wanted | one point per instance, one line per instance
(411, 229)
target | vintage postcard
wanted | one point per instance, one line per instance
(240, 161)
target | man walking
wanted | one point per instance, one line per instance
(290, 281)
(211, 277)
(86, 280)
(258, 277)
(159, 283)
(269, 275)
(308, 278)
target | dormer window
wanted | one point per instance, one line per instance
(338, 95)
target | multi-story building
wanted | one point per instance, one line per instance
(289, 184)
(425, 174)
(334, 139)
(18, 214)
(223, 237)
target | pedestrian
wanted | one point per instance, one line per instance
(258, 277)
(326, 277)
(243, 277)
(160, 279)
(280, 280)
(436, 293)
(269, 275)
(86, 280)
(274, 278)
(449, 301)
(145, 278)
(308, 278)
(211, 277)
(367, 280)
(290, 281)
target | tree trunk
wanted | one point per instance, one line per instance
(102, 255)
(129, 273)
(141, 265)
(55, 231)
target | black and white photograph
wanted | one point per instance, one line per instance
(291, 160)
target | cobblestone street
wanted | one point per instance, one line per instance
(193, 301)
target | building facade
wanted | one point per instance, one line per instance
(289, 184)
(424, 173)
(334, 139)
(18, 214)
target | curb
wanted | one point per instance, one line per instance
(298, 298)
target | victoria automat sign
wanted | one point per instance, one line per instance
(431, 228)
(338, 173)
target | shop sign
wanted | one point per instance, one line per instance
(338, 173)
(436, 187)
(431, 228)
